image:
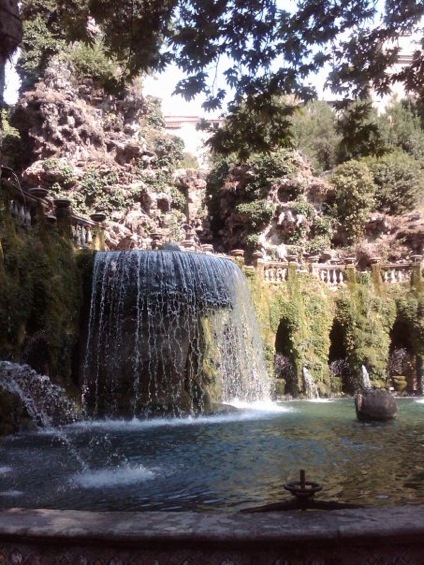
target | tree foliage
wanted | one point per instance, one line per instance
(400, 182)
(402, 128)
(257, 45)
(315, 134)
(257, 125)
(354, 190)
(360, 132)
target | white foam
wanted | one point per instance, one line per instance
(262, 406)
(11, 493)
(320, 400)
(420, 401)
(244, 411)
(4, 470)
(104, 478)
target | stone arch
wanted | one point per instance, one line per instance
(402, 360)
(340, 370)
(284, 363)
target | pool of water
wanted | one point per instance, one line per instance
(226, 462)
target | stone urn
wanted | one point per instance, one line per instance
(375, 405)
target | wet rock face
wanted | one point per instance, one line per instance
(30, 400)
(375, 405)
(108, 154)
(10, 28)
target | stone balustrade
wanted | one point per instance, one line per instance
(396, 273)
(21, 211)
(274, 271)
(333, 275)
(24, 207)
(82, 231)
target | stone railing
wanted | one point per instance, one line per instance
(274, 271)
(336, 275)
(396, 273)
(26, 208)
(82, 231)
(333, 275)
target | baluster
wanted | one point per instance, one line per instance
(80, 235)
(27, 222)
(338, 277)
(22, 215)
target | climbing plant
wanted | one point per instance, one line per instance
(366, 319)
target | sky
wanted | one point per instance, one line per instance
(161, 86)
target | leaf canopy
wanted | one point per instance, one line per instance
(256, 45)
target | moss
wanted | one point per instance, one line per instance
(304, 308)
(366, 317)
(410, 311)
(40, 298)
(297, 317)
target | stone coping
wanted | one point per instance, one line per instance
(377, 526)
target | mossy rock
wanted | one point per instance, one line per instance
(400, 383)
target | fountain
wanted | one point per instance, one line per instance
(173, 334)
(170, 333)
(365, 383)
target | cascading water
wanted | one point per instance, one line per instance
(45, 403)
(311, 389)
(365, 383)
(170, 332)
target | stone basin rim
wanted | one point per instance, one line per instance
(401, 524)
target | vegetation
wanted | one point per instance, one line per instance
(41, 296)
(354, 191)
(315, 134)
(399, 180)
(401, 127)
(360, 134)
(251, 37)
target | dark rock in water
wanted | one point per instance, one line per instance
(376, 404)
(222, 408)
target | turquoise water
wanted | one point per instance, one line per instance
(227, 462)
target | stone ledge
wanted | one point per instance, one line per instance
(387, 536)
(378, 525)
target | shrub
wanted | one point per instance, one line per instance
(400, 182)
(91, 61)
(258, 213)
(354, 198)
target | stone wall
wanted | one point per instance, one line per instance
(387, 536)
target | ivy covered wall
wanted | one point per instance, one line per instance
(304, 323)
(334, 334)
(41, 278)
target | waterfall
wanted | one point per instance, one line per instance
(311, 389)
(170, 332)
